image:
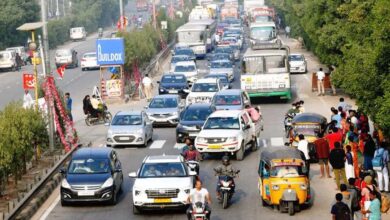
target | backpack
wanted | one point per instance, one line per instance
(377, 162)
(385, 203)
(342, 211)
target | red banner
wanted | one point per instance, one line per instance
(28, 81)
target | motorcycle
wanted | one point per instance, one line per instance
(226, 188)
(102, 117)
(199, 211)
(288, 123)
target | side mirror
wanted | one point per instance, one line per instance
(133, 175)
(62, 170)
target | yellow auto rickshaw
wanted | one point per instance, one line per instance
(311, 125)
(283, 179)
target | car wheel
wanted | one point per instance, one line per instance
(63, 203)
(136, 210)
(82, 69)
(255, 145)
(240, 152)
(145, 144)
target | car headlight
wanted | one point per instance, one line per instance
(65, 184)
(109, 139)
(275, 187)
(139, 131)
(109, 133)
(174, 113)
(109, 182)
(231, 139)
(137, 192)
(201, 139)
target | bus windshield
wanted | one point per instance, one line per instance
(263, 33)
(270, 64)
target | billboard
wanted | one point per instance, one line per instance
(110, 51)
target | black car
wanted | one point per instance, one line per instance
(192, 120)
(93, 175)
(173, 84)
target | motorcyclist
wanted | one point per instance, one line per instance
(226, 169)
(191, 153)
(199, 194)
(88, 107)
(187, 142)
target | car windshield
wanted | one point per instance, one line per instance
(224, 50)
(90, 55)
(4, 56)
(187, 52)
(173, 79)
(286, 171)
(295, 58)
(61, 53)
(89, 166)
(227, 100)
(216, 65)
(204, 87)
(196, 114)
(163, 103)
(176, 59)
(162, 170)
(221, 56)
(127, 120)
(222, 78)
(222, 123)
(182, 68)
(263, 33)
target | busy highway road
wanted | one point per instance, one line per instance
(246, 203)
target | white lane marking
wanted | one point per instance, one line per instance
(179, 145)
(277, 141)
(50, 209)
(264, 142)
(157, 144)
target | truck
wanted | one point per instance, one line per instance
(262, 14)
(229, 131)
(199, 13)
(141, 5)
(229, 12)
(248, 4)
(265, 71)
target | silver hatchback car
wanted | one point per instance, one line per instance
(164, 110)
(129, 128)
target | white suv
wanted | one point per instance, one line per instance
(162, 182)
(203, 90)
(187, 68)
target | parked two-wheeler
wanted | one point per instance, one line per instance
(199, 211)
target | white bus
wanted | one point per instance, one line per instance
(265, 71)
(211, 26)
(264, 32)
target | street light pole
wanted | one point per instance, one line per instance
(47, 68)
(122, 18)
(57, 10)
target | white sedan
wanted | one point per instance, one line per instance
(298, 63)
(89, 61)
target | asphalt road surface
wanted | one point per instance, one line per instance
(246, 203)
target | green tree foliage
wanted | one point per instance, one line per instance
(21, 130)
(13, 14)
(354, 35)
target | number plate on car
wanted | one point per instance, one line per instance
(215, 146)
(162, 200)
(172, 91)
(85, 193)
(124, 138)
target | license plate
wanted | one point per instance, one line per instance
(215, 146)
(172, 91)
(248, 79)
(124, 138)
(85, 193)
(162, 200)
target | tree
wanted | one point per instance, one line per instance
(13, 14)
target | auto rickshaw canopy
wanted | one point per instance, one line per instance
(309, 118)
(277, 153)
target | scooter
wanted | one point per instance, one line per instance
(226, 188)
(199, 211)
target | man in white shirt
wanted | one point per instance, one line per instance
(320, 82)
(303, 146)
(148, 87)
(199, 194)
(27, 100)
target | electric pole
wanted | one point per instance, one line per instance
(122, 17)
(47, 68)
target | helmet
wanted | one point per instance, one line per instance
(225, 160)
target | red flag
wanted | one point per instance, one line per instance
(61, 71)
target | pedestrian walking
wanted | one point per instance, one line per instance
(27, 99)
(349, 170)
(148, 87)
(68, 105)
(374, 208)
(287, 30)
(347, 197)
(320, 82)
(322, 149)
(337, 160)
(379, 163)
(346, 107)
(368, 152)
(19, 62)
(303, 146)
(355, 197)
(340, 210)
